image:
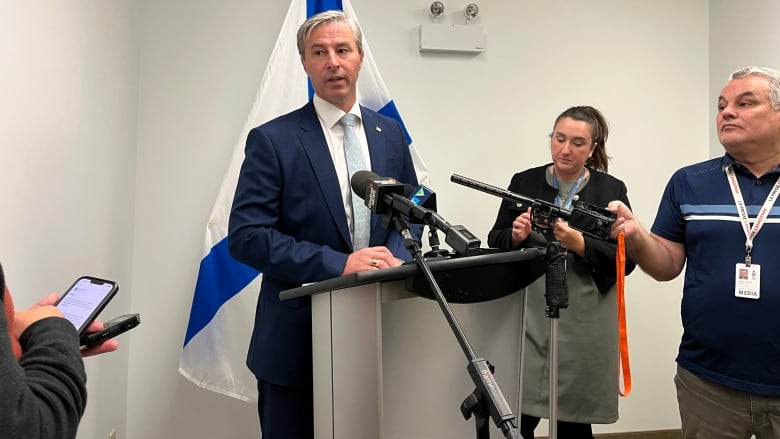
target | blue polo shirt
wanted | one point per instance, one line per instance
(728, 340)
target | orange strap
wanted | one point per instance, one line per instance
(620, 263)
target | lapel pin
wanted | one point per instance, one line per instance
(378, 129)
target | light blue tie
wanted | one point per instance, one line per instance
(361, 216)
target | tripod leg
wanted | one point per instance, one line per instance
(553, 379)
(520, 349)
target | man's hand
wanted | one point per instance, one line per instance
(45, 308)
(109, 345)
(659, 257)
(23, 319)
(370, 258)
(626, 222)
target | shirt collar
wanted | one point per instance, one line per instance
(330, 114)
(729, 160)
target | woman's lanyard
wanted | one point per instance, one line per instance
(750, 233)
(572, 192)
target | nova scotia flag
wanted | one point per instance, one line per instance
(223, 306)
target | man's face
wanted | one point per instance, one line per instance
(745, 118)
(332, 61)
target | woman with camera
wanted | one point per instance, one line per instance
(588, 328)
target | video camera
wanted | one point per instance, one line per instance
(591, 220)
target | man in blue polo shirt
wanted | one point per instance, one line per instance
(719, 218)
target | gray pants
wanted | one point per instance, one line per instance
(713, 411)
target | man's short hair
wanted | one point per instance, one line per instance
(772, 75)
(337, 17)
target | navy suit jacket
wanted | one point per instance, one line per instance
(288, 221)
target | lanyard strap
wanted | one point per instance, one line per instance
(750, 232)
(620, 266)
(572, 192)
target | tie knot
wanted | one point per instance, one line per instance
(348, 120)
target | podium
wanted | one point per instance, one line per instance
(386, 365)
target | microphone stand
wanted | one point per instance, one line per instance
(433, 240)
(486, 400)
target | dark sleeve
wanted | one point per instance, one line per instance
(600, 255)
(265, 230)
(500, 236)
(42, 395)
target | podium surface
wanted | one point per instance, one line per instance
(386, 363)
(467, 279)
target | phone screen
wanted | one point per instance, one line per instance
(85, 299)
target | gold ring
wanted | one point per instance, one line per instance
(374, 263)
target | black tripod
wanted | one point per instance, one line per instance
(590, 220)
(486, 400)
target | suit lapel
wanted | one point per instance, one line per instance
(316, 147)
(376, 141)
(377, 148)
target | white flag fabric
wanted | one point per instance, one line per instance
(226, 291)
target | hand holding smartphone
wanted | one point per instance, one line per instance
(111, 329)
(85, 299)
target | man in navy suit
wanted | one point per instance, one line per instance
(291, 215)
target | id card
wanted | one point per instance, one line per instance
(747, 281)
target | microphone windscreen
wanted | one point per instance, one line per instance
(360, 181)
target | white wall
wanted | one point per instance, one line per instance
(741, 34)
(131, 109)
(68, 104)
(643, 63)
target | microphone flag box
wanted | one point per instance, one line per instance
(377, 190)
(423, 196)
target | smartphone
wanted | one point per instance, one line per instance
(111, 329)
(85, 299)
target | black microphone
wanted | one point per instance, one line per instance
(413, 205)
(384, 195)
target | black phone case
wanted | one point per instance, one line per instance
(111, 329)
